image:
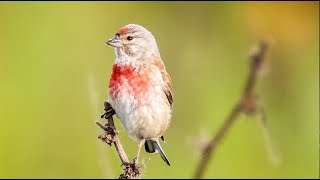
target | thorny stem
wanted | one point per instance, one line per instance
(248, 104)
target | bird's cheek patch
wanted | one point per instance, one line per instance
(132, 50)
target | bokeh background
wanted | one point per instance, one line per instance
(55, 68)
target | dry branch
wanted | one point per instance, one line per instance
(110, 136)
(248, 104)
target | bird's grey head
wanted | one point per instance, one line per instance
(136, 42)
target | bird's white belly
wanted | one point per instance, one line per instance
(145, 115)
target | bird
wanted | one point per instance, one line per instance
(140, 88)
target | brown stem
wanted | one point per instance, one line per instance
(118, 145)
(131, 170)
(251, 82)
(208, 151)
(122, 154)
(248, 104)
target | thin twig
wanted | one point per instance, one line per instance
(110, 136)
(248, 104)
(116, 141)
(117, 144)
(272, 152)
(208, 151)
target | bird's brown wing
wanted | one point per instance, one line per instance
(167, 89)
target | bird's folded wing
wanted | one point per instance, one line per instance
(167, 89)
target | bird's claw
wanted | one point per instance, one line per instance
(103, 115)
(108, 110)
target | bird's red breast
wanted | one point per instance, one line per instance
(125, 76)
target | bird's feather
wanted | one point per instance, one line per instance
(167, 88)
(153, 145)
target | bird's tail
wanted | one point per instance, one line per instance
(153, 145)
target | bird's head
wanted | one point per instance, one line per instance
(134, 41)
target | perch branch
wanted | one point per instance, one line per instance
(248, 104)
(110, 136)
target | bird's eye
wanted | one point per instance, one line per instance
(129, 38)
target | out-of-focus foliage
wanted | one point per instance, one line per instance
(55, 68)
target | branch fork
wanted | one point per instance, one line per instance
(249, 104)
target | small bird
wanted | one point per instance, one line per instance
(140, 89)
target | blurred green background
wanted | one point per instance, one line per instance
(55, 68)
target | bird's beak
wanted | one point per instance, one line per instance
(115, 42)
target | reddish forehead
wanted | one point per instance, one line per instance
(123, 30)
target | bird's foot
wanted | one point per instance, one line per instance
(109, 133)
(108, 110)
(143, 163)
